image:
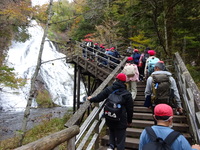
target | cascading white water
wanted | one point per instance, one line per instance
(56, 75)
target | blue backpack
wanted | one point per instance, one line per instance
(151, 65)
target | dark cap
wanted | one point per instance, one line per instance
(160, 65)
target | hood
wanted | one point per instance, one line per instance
(118, 85)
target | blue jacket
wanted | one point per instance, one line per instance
(136, 57)
(180, 143)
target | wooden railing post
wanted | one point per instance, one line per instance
(71, 144)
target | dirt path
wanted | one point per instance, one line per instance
(10, 122)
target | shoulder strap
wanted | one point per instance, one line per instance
(151, 133)
(172, 137)
(115, 91)
(125, 92)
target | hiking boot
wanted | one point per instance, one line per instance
(110, 147)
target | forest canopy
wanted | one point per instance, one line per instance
(167, 26)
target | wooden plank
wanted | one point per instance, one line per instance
(88, 134)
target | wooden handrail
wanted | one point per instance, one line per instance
(53, 140)
(190, 94)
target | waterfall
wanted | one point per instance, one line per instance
(57, 76)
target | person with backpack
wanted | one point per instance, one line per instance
(142, 62)
(161, 88)
(136, 56)
(161, 136)
(118, 111)
(132, 73)
(150, 62)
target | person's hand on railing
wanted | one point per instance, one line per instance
(89, 97)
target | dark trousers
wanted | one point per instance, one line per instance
(117, 138)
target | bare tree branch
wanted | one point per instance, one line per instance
(32, 92)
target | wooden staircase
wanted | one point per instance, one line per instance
(142, 117)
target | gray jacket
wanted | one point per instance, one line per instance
(148, 89)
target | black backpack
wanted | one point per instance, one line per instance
(157, 142)
(145, 57)
(114, 105)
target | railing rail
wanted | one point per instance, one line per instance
(53, 140)
(87, 52)
(191, 96)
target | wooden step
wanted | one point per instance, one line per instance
(133, 132)
(148, 116)
(181, 127)
(140, 93)
(130, 142)
(138, 103)
(142, 109)
(140, 97)
(136, 132)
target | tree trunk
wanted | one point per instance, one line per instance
(32, 92)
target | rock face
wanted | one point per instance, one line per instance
(10, 122)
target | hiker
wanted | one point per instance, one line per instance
(150, 62)
(136, 56)
(161, 88)
(163, 114)
(142, 62)
(117, 129)
(114, 53)
(132, 73)
(129, 50)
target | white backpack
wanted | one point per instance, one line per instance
(129, 70)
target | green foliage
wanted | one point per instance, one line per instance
(84, 28)
(44, 100)
(21, 34)
(140, 41)
(195, 72)
(61, 19)
(7, 78)
(40, 13)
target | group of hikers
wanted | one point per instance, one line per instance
(161, 96)
(104, 55)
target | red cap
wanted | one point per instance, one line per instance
(107, 49)
(136, 50)
(161, 61)
(129, 58)
(121, 77)
(163, 110)
(151, 52)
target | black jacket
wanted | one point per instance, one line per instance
(127, 113)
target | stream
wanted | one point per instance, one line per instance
(10, 122)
